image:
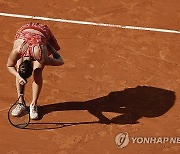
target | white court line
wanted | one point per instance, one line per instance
(89, 23)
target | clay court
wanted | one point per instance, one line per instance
(114, 79)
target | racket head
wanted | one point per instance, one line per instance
(22, 120)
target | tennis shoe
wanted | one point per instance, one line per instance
(20, 108)
(33, 112)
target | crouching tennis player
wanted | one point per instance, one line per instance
(34, 43)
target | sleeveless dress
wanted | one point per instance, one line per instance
(32, 40)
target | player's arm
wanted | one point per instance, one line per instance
(55, 61)
(55, 54)
(11, 63)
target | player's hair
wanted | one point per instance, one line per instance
(25, 69)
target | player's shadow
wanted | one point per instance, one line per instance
(131, 104)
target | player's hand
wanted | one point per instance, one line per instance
(20, 79)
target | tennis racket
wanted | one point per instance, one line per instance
(23, 119)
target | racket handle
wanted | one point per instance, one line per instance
(21, 89)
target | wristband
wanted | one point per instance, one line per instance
(56, 55)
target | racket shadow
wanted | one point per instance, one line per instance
(55, 125)
(130, 104)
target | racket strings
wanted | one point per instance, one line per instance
(19, 115)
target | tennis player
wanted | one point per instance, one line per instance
(33, 45)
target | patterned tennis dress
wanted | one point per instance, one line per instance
(32, 40)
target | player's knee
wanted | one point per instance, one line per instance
(38, 75)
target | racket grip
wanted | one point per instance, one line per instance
(21, 89)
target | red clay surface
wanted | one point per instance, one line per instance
(131, 77)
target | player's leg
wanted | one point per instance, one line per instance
(20, 108)
(37, 82)
(36, 88)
